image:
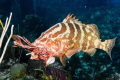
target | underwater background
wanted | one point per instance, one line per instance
(32, 17)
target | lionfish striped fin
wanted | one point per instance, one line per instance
(26, 41)
(71, 19)
(21, 41)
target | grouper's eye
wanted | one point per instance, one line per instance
(43, 54)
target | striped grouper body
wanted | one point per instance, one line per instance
(70, 36)
(65, 39)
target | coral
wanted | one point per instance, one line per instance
(18, 71)
(58, 74)
(3, 34)
(55, 74)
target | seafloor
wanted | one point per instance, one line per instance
(32, 17)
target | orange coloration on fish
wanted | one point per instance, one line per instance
(65, 39)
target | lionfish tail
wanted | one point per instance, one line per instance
(21, 41)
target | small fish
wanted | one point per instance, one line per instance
(63, 40)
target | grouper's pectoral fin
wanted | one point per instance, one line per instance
(91, 51)
(63, 60)
(71, 52)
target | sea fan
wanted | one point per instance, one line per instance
(55, 74)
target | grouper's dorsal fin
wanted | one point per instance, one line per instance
(94, 29)
(91, 27)
(71, 19)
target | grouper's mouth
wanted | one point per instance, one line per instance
(50, 60)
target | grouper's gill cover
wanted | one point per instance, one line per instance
(65, 39)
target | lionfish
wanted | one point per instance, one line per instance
(65, 39)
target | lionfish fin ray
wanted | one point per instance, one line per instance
(21, 41)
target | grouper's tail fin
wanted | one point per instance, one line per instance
(107, 45)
